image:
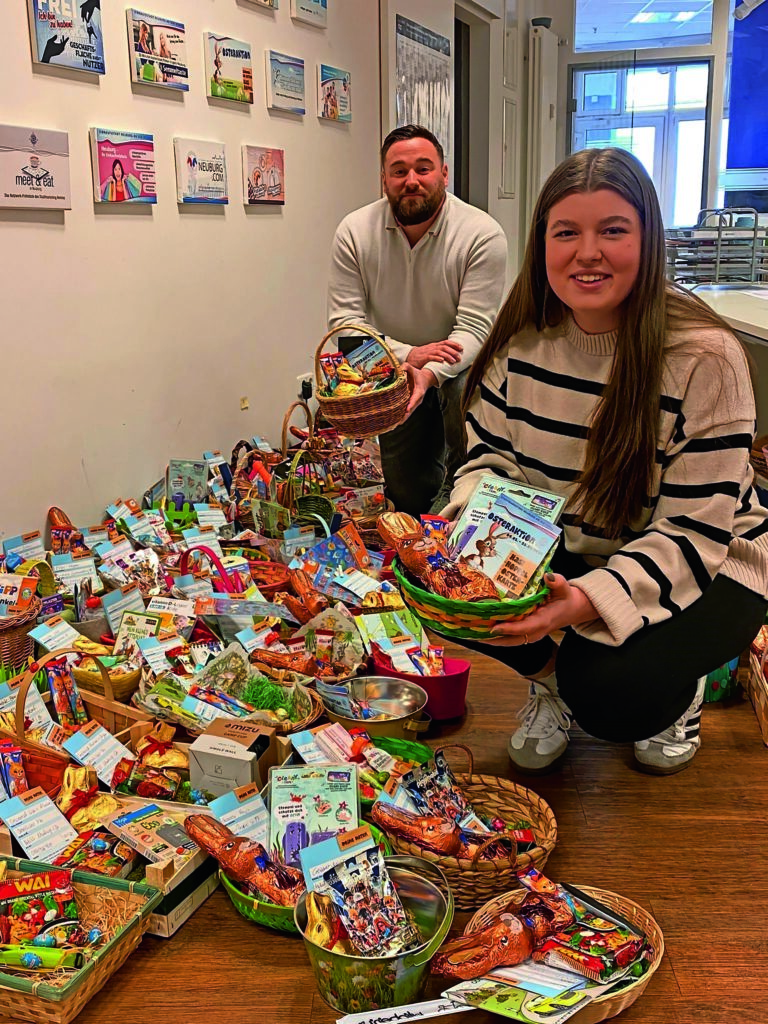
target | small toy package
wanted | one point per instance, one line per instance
(434, 790)
(40, 904)
(365, 898)
(100, 852)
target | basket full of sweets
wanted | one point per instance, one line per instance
(587, 953)
(65, 934)
(480, 830)
(364, 393)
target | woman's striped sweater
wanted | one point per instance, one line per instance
(529, 420)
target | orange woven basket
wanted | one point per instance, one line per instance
(372, 413)
(16, 645)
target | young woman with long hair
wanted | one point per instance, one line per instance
(606, 383)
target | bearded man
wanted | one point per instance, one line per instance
(426, 271)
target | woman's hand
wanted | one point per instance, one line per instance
(564, 606)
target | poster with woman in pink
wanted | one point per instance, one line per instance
(123, 166)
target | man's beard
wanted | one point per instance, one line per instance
(415, 209)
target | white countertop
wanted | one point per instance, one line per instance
(745, 308)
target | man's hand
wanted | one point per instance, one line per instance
(566, 605)
(420, 382)
(435, 352)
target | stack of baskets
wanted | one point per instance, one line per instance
(369, 414)
(473, 882)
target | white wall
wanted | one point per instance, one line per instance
(131, 334)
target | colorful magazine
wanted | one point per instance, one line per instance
(228, 68)
(285, 82)
(34, 169)
(263, 175)
(158, 50)
(509, 544)
(311, 12)
(67, 34)
(123, 166)
(334, 93)
(201, 172)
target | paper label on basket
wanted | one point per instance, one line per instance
(153, 651)
(35, 711)
(211, 515)
(196, 537)
(55, 634)
(117, 602)
(96, 747)
(94, 536)
(71, 571)
(26, 545)
(108, 552)
(214, 458)
(37, 823)
(193, 588)
(321, 857)
(399, 1014)
(357, 583)
(306, 747)
(244, 812)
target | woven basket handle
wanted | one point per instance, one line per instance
(487, 843)
(465, 749)
(229, 586)
(287, 420)
(34, 668)
(362, 329)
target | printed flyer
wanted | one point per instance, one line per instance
(334, 94)
(201, 171)
(285, 82)
(158, 50)
(67, 34)
(123, 166)
(263, 175)
(311, 12)
(228, 68)
(34, 169)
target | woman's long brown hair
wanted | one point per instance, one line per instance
(618, 470)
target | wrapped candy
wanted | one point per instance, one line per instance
(80, 800)
(156, 750)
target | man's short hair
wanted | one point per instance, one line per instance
(411, 131)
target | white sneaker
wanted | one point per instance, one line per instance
(542, 737)
(674, 748)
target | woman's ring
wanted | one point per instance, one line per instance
(525, 640)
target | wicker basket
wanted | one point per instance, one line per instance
(26, 1000)
(369, 414)
(611, 1004)
(100, 706)
(16, 646)
(463, 620)
(122, 685)
(473, 882)
(269, 577)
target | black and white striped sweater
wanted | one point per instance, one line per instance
(529, 420)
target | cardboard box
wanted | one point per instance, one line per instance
(220, 761)
(181, 900)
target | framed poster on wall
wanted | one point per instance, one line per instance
(228, 68)
(34, 169)
(285, 82)
(67, 36)
(158, 48)
(334, 94)
(311, 12)
(201, 172)
(263, 176)
(424, 72)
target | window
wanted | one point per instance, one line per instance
(640, 24)
(659, 113)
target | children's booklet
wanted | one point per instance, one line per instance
(528, 992)
(228, 68)
(545, 504)
(158, 50)
(509, 544)
(370, 358)
(67, 35)
(308, 804)
(201, 172)
(187, 481)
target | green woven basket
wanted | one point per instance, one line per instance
(280, 919)
(463, 620)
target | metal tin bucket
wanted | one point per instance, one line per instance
(403, 702)
(355, 983)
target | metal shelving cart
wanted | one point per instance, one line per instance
(726, 245)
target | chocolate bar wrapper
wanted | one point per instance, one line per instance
(600, 956)
(14, 776)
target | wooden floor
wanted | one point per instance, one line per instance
(690, 848)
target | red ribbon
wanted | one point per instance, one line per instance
(81, 799)
(154, 746)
